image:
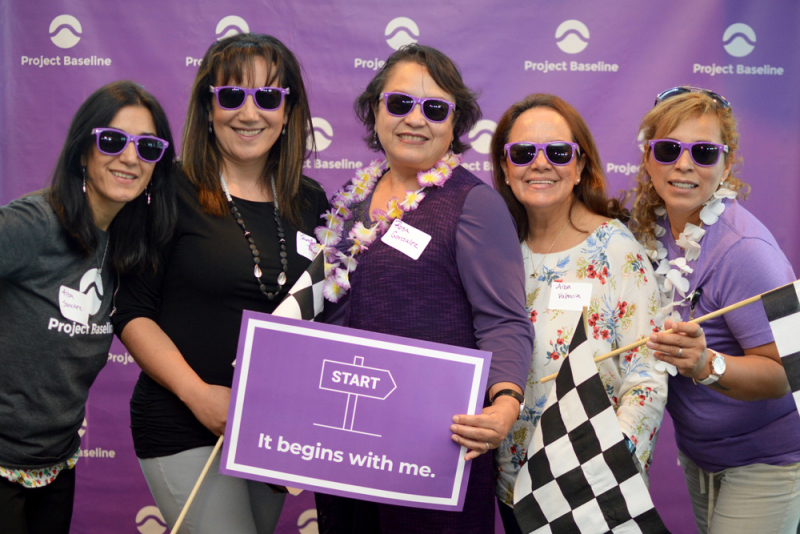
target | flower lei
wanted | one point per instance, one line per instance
(339, 265)
(670, 274)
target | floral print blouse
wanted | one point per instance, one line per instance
(624, 302)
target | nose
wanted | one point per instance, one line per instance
(129, 155)
(249, 110)
(415, 117)
(540, 161)
(684, 160)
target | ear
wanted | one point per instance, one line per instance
(726, 173)
(580, 165)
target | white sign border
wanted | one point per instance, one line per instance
(233, 440)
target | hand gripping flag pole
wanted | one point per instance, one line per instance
(780, 297)
(579, 475)
(304, 301)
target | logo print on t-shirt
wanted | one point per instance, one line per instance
(150, 521)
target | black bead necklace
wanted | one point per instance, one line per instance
(256, 257)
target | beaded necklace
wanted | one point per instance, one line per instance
(338, 265)
(256, 257)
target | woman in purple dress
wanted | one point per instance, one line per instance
(465, 289)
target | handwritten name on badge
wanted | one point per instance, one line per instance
(74, 305)
(305, 244)
(569, 296)
(406, 239)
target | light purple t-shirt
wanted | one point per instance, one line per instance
(739, 259)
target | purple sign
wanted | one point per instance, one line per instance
(351, 413)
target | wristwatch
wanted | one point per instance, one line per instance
(514, 394)
(717, 369)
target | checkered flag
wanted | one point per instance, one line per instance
(305, 300)
(579, 475)
(783, 312)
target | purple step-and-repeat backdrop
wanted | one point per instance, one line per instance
(608, 59)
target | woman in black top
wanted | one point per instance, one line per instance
(242, 205)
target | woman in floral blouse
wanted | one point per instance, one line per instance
(548, 171)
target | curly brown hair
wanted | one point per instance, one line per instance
(659, 122)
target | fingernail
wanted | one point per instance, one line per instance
(455, 419)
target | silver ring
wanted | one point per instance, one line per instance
(680, 352)
(487, 446)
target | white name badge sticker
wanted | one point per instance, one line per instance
(74, 305)
(305, 245)
(406, 239)
(569, 296)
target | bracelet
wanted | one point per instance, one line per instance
(511, 393)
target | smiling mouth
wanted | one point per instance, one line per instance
(248, 133)
(540, 182)
(123, 175)
(683, 185)
(412, 137)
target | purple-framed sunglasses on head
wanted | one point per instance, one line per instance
(112, 142)
(675, 91)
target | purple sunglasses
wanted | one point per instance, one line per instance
(556, 152)
(232, 97)
(703, 153)
(112, 142)
(401, 104)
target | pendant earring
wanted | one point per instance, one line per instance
(210, 129)
(284, 130)
(148, 194)
(507, 182)
(84, 179)
(374, 138)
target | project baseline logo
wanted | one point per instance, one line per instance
(401, 31)
(69, 31)
(65, 32)
(739, 41)
(572, 36)
(322, 132)
(231, 25)
(150, 521)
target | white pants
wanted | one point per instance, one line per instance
(223, 504)
(748, 499)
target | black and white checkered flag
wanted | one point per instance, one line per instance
(579, 475)
(305, 300)
(783, 312)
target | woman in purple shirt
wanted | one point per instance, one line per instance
(465, 288)
(737, 428)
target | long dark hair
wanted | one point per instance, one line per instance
(592, 188)
(230, 59)
(139, 230)
(446, 75)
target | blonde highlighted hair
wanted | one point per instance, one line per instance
(658, 123)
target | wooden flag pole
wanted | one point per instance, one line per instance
(197, 485)
(641, 342)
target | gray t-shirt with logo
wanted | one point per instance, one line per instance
(54, 333)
